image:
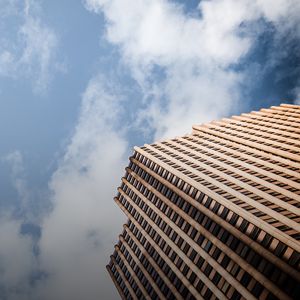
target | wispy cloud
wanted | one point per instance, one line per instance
(28, 50)
(18, 177)
(17, 259)
(29, 205)
(297, 93)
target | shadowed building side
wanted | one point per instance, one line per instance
(214, 214)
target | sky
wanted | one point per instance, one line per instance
(82, 82)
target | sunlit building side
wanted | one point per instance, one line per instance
(214, 214)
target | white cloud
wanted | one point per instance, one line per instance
(78, 235)
(283, 13)
(297, 95)
(16, 260)
(196, 53)
(40, 46)
(29, 207)
(27, 50)
(159, 32)
(15, 159)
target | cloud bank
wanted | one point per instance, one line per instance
(199, 56)
(78, 234)
(17, 259)
(67, 260)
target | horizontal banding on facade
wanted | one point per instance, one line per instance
(218, 211)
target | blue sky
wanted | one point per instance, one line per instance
(81, 82)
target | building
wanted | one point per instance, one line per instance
(214, 214)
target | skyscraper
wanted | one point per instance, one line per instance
(214, 214)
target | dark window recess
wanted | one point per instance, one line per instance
(208, 202)
(224, 236)
(200, 240)
(193, 255)
(269, 269)
(224, 213)
(208, 294)
(207, 270)
(193, 233)
(233, 219)
(255, 232)
(208, 246)
(216, 253)
(185, 292)
(192, 278)
(294, 259)
(280, 249)
(193, 212)
(245, 279)
(200, 198)
(257, 289)
(200, 262)
(267, 240)
(216, 278)
(236, 295)
(185, 270)
(199, 286)
(225, 261)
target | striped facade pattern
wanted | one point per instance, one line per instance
(214, 214)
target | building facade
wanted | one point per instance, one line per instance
(214, 214)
